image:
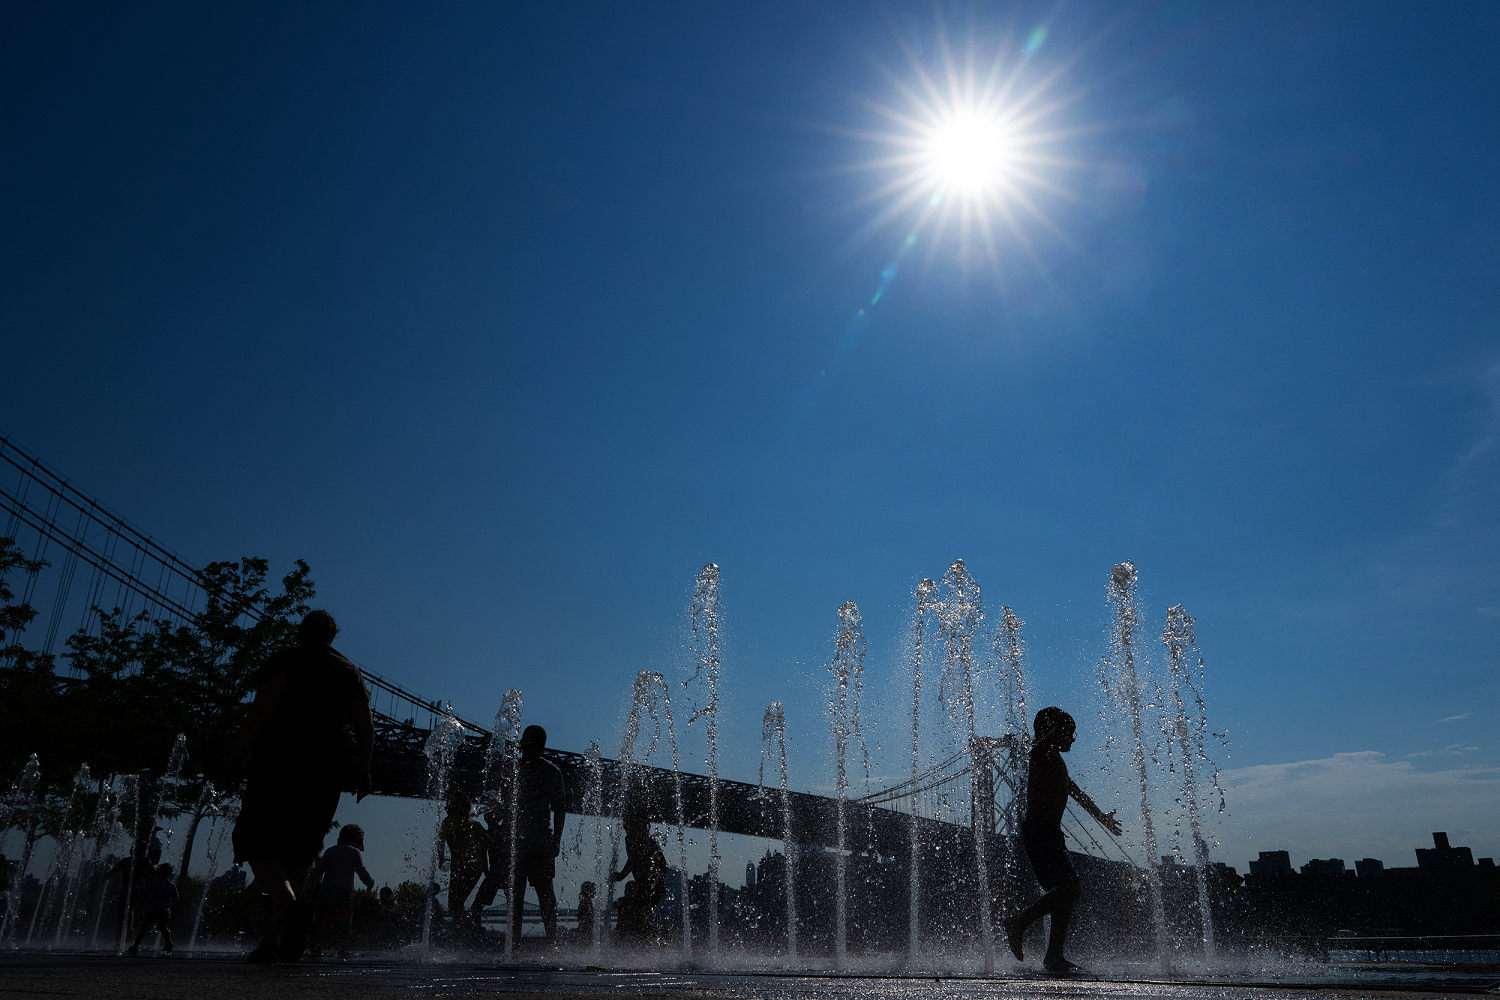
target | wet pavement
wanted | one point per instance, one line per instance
(230, 978)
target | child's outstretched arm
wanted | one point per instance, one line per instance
(1106, 819)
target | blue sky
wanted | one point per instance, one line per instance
(507, 320)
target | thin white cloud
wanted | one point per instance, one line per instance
(1357, 805)
(1455, 718)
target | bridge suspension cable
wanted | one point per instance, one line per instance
(62, 516)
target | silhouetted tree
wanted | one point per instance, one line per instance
(139, 680)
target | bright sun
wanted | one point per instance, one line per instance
(968, 154)
(976, 147)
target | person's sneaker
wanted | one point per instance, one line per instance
(264, 955)
(1013, 934)
(1062, 967)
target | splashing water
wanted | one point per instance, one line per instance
(130, 791)
(1123, 686)
(1186, 731)
(924, 597)
(221, 819)
(960, 610)
(106, 828)
(21, 800)
(62, 861)
(504, 753)
(441, 748)
(593, 805)
(651, 699)
(21, 796)
(847, 668)
(175, 761)
(773, 745)
(501, 750)
(705, 620)
(86, 863)
(1009, 650)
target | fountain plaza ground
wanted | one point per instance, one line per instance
(24, 976)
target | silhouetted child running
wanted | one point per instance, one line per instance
(159, 895)
(333, 884)
(1047, 790)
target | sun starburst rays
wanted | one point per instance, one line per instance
(976, 148)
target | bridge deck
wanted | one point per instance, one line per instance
(400, 769)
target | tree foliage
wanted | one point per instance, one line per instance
(138, 680)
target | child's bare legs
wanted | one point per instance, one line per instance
(1058, 902)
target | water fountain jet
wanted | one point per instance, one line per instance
(924, 596)
(773, 744)
(1123, 685)
(1186, 732)
(960, 611)
(847, 668)
(441, 748)
(705, 623)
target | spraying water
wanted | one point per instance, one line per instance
(20, 801)
(593, 805)
(847, 668)
(84, 863)
(924, 594)
(62, 861)
(221, 819)
(651, 699)
(504, 754)
(175, 761)
(706, 637)
(960, 611)
(441, 748)
(1122, 684)
(106, 828)
(773, 744)
(21, 797)
(130, 791)
(1186, 731)
(1009, 648)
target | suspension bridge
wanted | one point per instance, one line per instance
(95, 559)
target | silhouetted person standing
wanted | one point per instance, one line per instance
(539, 830)
(1047, 789)
(497, 855)
(643, 859)
(464, 838)
(299, 761)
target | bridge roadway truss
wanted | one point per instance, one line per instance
(400, 769)
(54, 522)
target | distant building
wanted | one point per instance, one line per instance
(1325, 866)
(1369, 868)
(1272, 863)
(1442, 857)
